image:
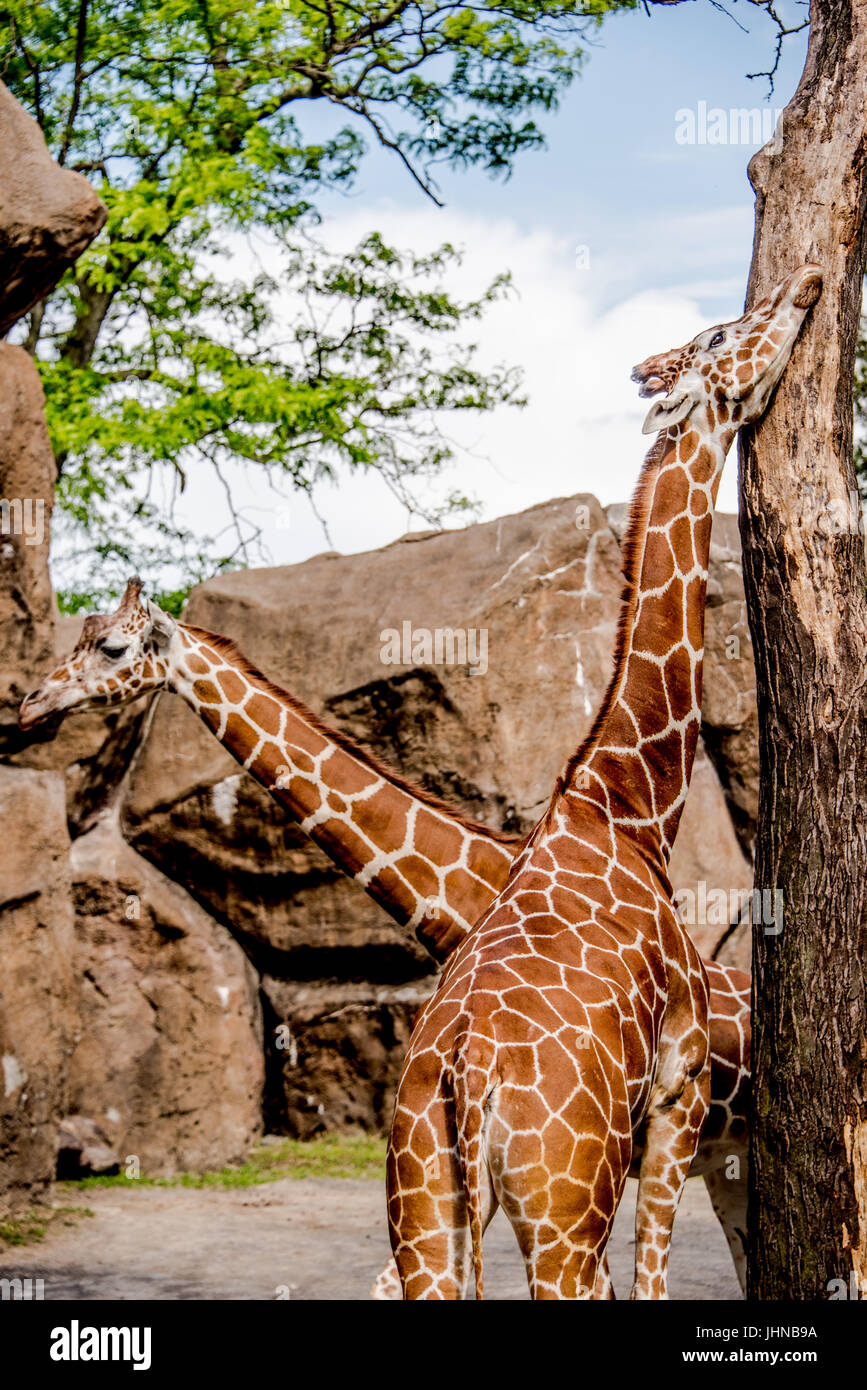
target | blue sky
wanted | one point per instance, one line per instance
(667, 228)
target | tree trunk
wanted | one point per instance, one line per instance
(804, 571)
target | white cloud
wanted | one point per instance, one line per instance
(576, 342)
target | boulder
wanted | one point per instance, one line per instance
(27, 474)
(335, 1053)
(38, 996)
(48, 215)
(169, 1061)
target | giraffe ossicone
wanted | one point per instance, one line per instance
(585, 936)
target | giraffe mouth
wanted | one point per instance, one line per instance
(650, 383)
(33, 711)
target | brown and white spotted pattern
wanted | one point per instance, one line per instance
(575, 1012)
(140, 649)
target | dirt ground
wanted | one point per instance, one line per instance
(312, 1238)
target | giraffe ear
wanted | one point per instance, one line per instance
(162, 625)
(669, 411)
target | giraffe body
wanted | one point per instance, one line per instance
(576, 1010)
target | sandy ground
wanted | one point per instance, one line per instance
(321, 1238)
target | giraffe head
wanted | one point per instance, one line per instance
(723, 379)
(118, 656)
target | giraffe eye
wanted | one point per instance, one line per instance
(717, 339)
(113, 653)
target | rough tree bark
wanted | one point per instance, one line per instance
(804, 571)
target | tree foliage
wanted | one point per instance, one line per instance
(213, 126)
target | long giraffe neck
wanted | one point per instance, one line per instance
(427, 866)
(641, 748)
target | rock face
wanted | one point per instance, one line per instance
(543, 587)
(48, 215)
(38, 997)
(27, 474)
(169, 1060)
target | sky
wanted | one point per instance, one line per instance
(622, 238)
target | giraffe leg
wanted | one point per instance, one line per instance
(729, 1199)
(604, 1289)
(672, 1134)
(386, 1287)
(427, 1208)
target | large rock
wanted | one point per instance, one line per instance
(27, 474)
(335, 1052)
(544, 586)
(48, 215)
(38, 1009)
(169, 1063)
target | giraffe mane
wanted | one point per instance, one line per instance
(632, 551)
(227, 647)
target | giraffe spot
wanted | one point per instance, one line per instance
(754, 340)
(442, 841)
(382, 816)
(420, 874)
(658, 559)
(490, 861)
(335, 801)
(688, 445)
(354, 775)
(525, 1151)
(744, 355)
(240, 736)
(646, 695)
(664, 759)
(704, 467)
(302, 794)
(659, 614)
(232, 685)
(743, 374)
(678, 681)
(196, 664)
(695, 596)
(264, 712)
(671, 494)
(680, 532)
(207, 693)
(391, 891)
(725, 365)
(298, 731)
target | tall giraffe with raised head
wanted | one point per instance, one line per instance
(428, 866)
(576, 1010)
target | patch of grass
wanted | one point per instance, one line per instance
(330, 1156)
(32, 1225)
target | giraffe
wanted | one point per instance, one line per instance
(428, 866)
(576, 1010)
